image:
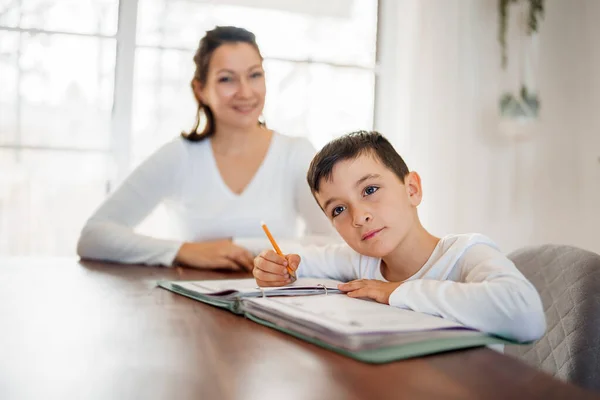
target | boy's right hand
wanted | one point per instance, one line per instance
(270, 269)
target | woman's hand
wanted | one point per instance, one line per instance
(215, 254)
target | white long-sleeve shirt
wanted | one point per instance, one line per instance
(184, 177)
(466, 279)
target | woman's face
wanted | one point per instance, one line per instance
(235, 86)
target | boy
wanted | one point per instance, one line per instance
(365, 188)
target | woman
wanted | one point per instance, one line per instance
(217, 183)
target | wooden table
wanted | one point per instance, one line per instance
(88, 330)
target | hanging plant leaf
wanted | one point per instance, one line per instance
(536, 11)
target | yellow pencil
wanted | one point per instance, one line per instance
(276, 247)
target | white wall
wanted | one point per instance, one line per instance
(440, 81)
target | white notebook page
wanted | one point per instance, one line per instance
(250, 286)
(347, 315)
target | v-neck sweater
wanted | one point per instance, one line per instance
(184, 177)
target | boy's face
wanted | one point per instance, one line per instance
(369, 206)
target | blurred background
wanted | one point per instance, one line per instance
(89, 88)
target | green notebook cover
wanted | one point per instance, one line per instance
(388, 354)
(419, 347)
(233, 306)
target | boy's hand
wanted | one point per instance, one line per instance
(270, 269)
(379, 291)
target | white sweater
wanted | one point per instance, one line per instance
(184, 177)
(466, 279)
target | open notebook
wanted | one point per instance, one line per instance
(229, 293)
(314, 310)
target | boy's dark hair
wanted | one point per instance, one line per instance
(349, 147)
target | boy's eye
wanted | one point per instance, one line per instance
(337, 211)
(256, 74)
(225, 79)
(369, 190)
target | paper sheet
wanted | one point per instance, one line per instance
(250, 286)
(347, 315)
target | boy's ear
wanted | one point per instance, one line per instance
(412, 182)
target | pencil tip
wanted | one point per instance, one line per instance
(262, 223)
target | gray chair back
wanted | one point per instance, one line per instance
(568, 280)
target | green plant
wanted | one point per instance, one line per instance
(536, 11)
(524, 104)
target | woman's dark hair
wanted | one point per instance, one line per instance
(208, 44)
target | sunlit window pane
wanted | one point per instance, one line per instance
(66, 87)
(45, 197)
(162, 98)
(345, 39)
(318, 101)
(9, 80)
(9, 14)
(77, 16)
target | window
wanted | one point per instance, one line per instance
(57, 66)
(319, 69)
(91, 88)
